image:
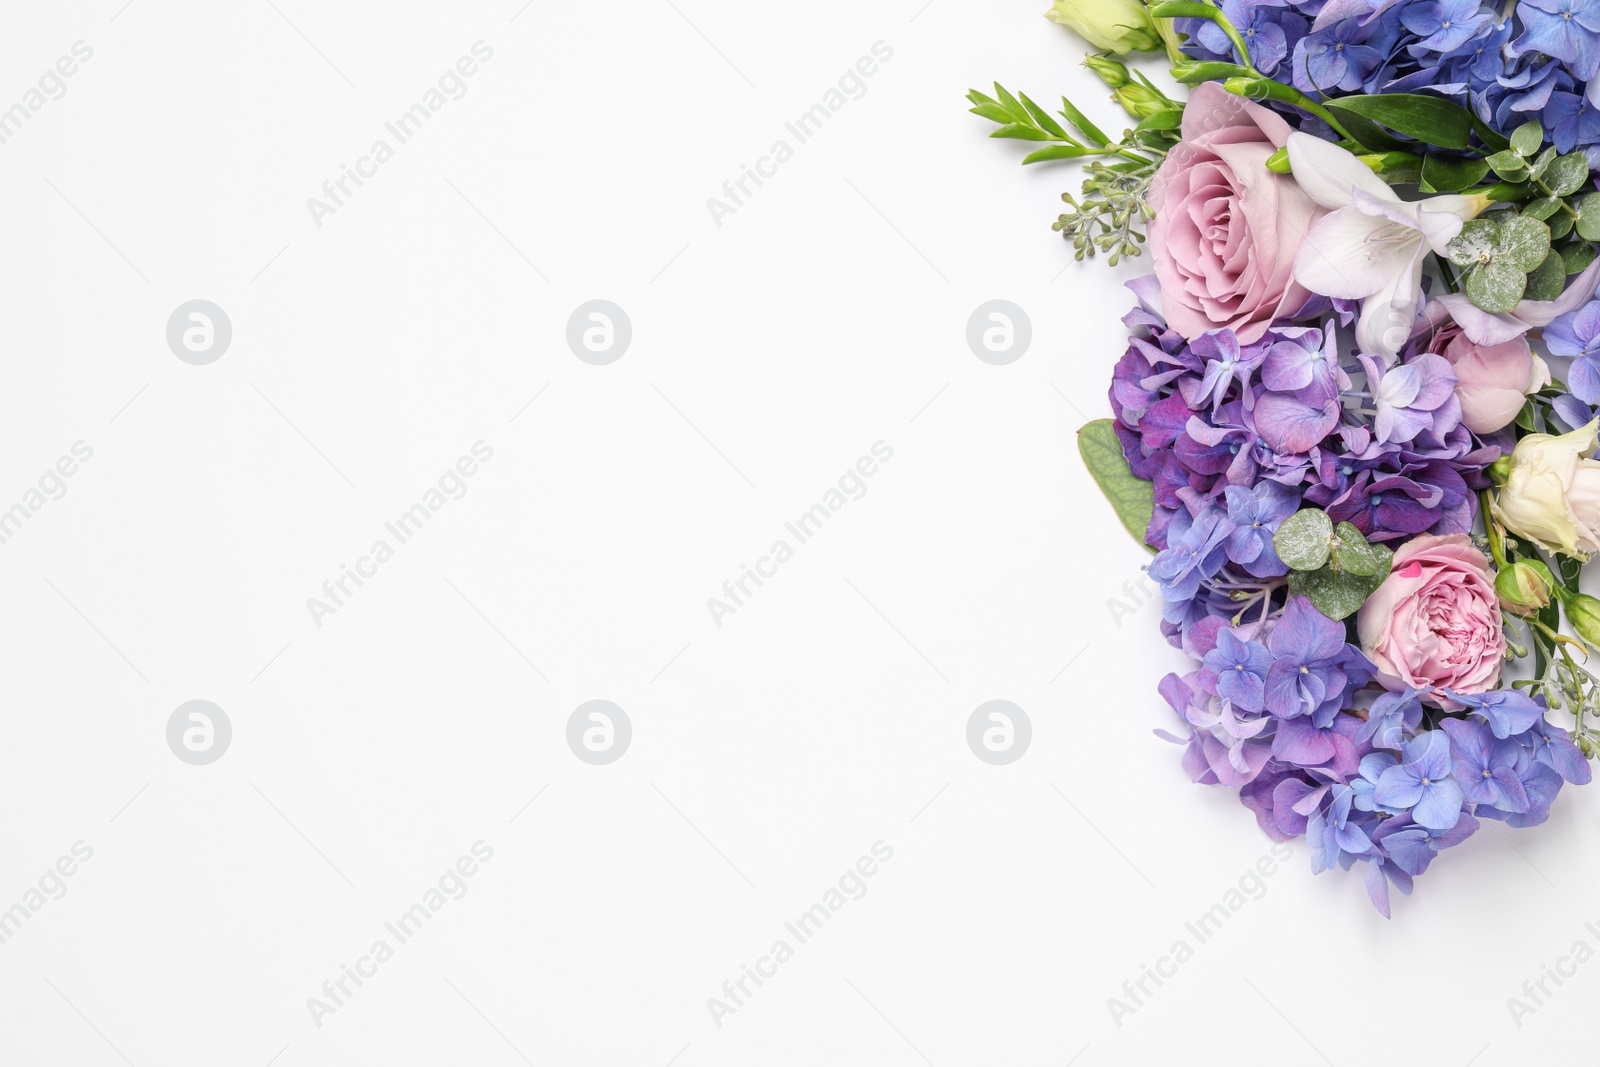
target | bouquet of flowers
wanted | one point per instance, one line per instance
(1356, 418)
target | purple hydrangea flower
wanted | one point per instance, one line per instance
(1313, 667)
(1508, 711)
(1484, 767)
(1415, 396)
(1240, 668)
(1256, 515)
(1577, 334)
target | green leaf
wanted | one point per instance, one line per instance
(1542, 208)
(1567, 174)
(1525, 418)
(1509, 166)
(1588, 217)
(1206, 71)
(991, 111)
(1429, 119)
(1548, 279)
(1304, 539)
(1491, 138)
(1020, 132)
(1352, 553)
(1496, 286)
(1042, 118)
(1337, 594)
(1450, 174)
(1524, 243)
(1578, 256)
(1078, 119)
(1541, 163)
(1372, 136)
(1560, 226)
(1527, 138)
(1131, 497)
(1011, 103)
(1162, 120)
(1055, 151)
(1184, 9)
(1475, 243)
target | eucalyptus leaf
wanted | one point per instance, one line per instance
(1560, 226)
(1527, 138)
(1541, 163)
(1131, 497)
(1542, 208)
(1578, 256)
(1352, 553)
(1338, 594)
(1474, 244)
(1567, 174)
(1524, 243)
(1304, 540)
(1547, 280)
(1588, 218)
(1496, 286)
(1508, 165)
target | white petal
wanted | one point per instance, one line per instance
(1327, 172)
(1388, 316)
(1351, 254)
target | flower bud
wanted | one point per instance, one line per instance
(1524, 587)
(1583, 614)
(1141, 101)
(1110, 71)
(1119, 26)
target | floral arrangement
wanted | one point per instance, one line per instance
(1338, 423)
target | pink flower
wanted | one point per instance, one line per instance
(1493, 381)
(1435, 622)
(1226, 229)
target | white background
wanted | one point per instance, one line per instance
(828, 313)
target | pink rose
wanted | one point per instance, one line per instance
(1435, 622)
(1226, 229)
(1493, 381)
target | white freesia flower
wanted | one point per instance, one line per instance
(1371, 246)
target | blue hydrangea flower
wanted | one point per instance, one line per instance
(1484, 767)
(1313, 668)
(1421, 783)
(1256, 515)
(1335, 57)
(1577, 334)
(1412, 847)
(1569, 30)
(1444, 25)
(1508, 711)
(1241, 668)
(1392, 717)
(1571, 120)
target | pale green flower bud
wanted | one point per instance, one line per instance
(1119, 26)
(1524, 587)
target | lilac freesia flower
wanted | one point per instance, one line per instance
(1412, 397)
(1313, 667)
(1508, 711)
(1421, 783)
(1241, 669)
(1256, 515)
(1569, 30)
(1371, 246)
(1484, 767)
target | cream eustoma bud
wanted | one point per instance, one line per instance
(1551, 494)
(1115, 25)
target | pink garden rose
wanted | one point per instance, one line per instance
(1435, 622)
(1226, 229)
(1493, 381)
